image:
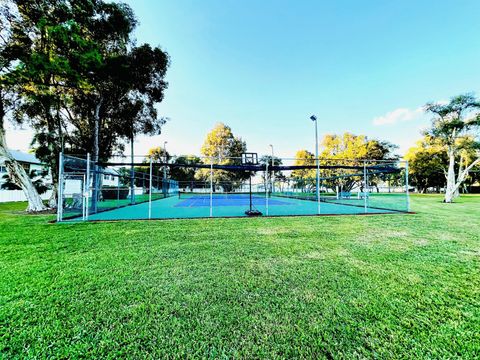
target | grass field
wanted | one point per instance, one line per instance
(383, 286)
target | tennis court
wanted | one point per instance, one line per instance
(145, 190)
(198, 206)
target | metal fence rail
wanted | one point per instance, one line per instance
(172, 188)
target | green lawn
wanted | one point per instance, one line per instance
(383, 286)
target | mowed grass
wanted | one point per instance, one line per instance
(383, 286)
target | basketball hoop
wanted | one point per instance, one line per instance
(251, 159)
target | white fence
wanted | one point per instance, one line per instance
(18, 195)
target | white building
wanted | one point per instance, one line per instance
(30, 162)
(110, 177)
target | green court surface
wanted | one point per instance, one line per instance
(173, 207)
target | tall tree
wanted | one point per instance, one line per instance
(184, 175)
(57, 59)
(87, 87)
(352, 150)
(277, 174)
(222, 147)
(11, 47)
(304, 179)
(452, 122)
(159, 154)
(427, 162)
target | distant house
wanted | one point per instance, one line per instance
(28, 161)
(73, 185)
(110, 177)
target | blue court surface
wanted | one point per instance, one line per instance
(236, 200)
(199, 206)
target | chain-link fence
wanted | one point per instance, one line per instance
(192, 187)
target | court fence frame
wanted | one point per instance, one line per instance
(87, 176)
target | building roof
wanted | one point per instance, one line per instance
(24, 157)
(109, 171)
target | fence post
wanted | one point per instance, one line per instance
(365, 185)
(266, 187)
(87, 192)
(84, 184)
(60, 190)
(211, 186)
(150, 191)
(118, 191)
(406, 186)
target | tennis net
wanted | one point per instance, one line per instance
(219, 195)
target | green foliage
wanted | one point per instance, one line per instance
(158, 154)
(456, 126)
(74, 58)
(347, 149)
(305, 179)
(397, 286)
(223, 148)
(352, 150)
(184, 175)
(454, 119)
(267, 159)
(428, 162)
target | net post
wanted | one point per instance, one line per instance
(211, 186)
(59, 190)
(150, 192)
(273, 173)
(266, 188)
(132, 177)
(365, 186)
(84, 184)
(87, 188)
(317, 183)
(406, 186)
(118, 191)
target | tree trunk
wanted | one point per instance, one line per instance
(96, 151)
(456, 194)
(450, 189)
(52, 202)
(20, 177)
(132, 172)
(453, 184)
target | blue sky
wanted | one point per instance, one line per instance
(263, 67)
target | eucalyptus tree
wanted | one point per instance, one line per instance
(352, 150)
(86, 86)
(55, 60)
(456, 126)
(126, 89)
(11, 47)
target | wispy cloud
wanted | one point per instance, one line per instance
(398, 115)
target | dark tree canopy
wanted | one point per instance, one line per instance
(84, 84)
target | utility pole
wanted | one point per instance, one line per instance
(273, 172)
(314, 119)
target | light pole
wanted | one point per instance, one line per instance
(314, 119)
(166, 159)
(164, 182)
(273, 172)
